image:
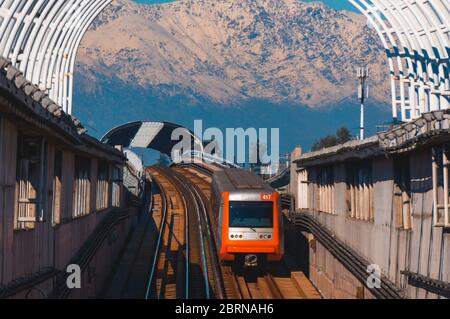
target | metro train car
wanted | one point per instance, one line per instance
(247, 219)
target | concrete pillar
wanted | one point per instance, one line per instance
(293, 187)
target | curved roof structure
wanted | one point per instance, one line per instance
(154, 135)
(41, 38)
(416, 37)
(280, 180)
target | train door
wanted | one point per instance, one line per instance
(220, 224)
(280, 223)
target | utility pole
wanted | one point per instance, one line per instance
(363, 94)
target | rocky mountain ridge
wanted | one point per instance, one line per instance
(230, 51)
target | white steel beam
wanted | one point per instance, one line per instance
(41, 38)
(421, 32)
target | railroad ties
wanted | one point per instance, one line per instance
(278, 283)
(185, 228)
(168, 273)
(272, 285)
(172, 251)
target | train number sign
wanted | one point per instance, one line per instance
(266, 197)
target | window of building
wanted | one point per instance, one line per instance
(325, 189)
(402, 193)
(440, 169)
(102, 185)
(57, 188)
(302, 184)
(359, 195)
(29, 182)
(82, 187)
(116, 180)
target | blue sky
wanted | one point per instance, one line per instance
(337, 4)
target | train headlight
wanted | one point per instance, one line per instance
(235, 236)
(265, 236)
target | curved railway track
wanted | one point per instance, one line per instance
(200, 180)
(170, 264)
(279, 284)
(202, 279)
(173, 254)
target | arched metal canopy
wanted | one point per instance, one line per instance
(153, 135)
(41, 38)
(416, 37)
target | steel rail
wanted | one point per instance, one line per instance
(218, 278)
(159, 241)
(234, 282)
(226, 285)
(202, 244)
(197, 167)
(209, 238)
(187, 249)
(194, 204)
(167, 175)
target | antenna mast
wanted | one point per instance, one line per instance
(363, 94)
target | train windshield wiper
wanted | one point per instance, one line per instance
(253, 229)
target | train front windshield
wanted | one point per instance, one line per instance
(251, 214)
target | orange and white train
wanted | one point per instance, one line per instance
(247, 218)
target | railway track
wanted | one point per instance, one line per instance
(261, 287)
(202, 278)
(270, 285)
(202, 230)
(277, 283)
(172, 252)
(201, 181)
(168, 275)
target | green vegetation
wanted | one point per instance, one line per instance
(342, 135)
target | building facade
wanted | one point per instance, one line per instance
(386, 199)
(62, 199)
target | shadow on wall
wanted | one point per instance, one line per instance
(297, 247)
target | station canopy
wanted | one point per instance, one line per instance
(152, 135)
(41, 38)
